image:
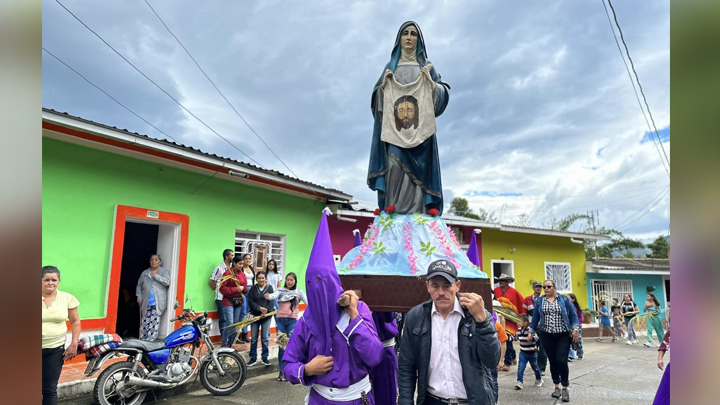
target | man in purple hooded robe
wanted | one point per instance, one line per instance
(333, 348)
(384, 376)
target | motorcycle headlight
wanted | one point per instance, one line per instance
(208, 324)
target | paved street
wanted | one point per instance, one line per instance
(611, 373)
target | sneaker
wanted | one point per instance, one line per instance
(580, 358)
(636, 341)
(565, 395)
(657, 344)
(599, 339)
(266, 363)
(614, 340)
(252, 363)
(571, 359)
(556, 393)
(646, 344)
(518, 385)
(542, 373)
(539, 383)
(629, 342)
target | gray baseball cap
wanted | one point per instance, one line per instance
(443, 268)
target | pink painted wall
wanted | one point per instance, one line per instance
(342, 237)
(341, 234)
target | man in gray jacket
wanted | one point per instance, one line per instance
(449, 344)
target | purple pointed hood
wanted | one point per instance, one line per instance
(473, 252)
(323, 288)
(358, 238)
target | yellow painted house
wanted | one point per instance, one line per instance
(531, 254)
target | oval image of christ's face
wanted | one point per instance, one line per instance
(406, 113)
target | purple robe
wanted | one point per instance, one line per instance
(662, 396)
(353, 357)
(384, 376)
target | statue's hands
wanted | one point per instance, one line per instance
(388, 74)
(425, 71)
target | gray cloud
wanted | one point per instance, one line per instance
(537, 90)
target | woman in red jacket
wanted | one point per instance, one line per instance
(233, 289)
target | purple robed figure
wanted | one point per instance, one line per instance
(384, 376)
(326, 329)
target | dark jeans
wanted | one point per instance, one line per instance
(494, 374)
(525, 358)
(542, 357)
(221, 316)
(557, 347)
(52, 363)
(284, 325)
(509, 353)
(255, 327)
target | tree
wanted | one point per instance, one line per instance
(660, 248)
(459, 206)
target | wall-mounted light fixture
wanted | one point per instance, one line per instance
(239, 174)
(346, 219)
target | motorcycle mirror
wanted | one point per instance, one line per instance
(177, 305)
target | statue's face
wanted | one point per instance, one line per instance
(408, 38)
(406, 113)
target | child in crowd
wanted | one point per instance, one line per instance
(528, 351)
(605, 322)
(502, 337)
(616, 316)
(576, 346)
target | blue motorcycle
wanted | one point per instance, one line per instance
(167, 364)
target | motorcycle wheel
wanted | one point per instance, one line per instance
(235, 373)
(105, 392)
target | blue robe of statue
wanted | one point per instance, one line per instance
(419, 166)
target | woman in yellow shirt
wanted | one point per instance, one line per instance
(57, 307)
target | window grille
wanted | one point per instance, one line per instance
(246, 241)
(559, 273)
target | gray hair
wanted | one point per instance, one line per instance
(50, 270)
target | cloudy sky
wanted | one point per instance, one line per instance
(542, 117)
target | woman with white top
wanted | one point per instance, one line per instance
(288, 299)
(57, 307)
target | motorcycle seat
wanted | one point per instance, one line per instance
(142, 345)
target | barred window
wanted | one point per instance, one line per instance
(559, 273)
(271, 245)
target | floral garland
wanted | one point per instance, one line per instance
(447, 249)
(453, 237)
(412, 257)
(366, 246)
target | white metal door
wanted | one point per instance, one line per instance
(610, 289)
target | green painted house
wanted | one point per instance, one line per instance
(111, 198)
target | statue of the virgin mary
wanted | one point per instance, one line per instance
(404, 165)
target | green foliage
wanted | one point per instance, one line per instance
(426, 248)
(420, 219)
(378, 248)
(660, 248)
(386, 221)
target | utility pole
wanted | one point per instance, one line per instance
(591, 224)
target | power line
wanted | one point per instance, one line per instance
(626, 227)
(106, 93)
(157, 85)
(659, 140)
(218, 90)
(568, 197)
(657, 198)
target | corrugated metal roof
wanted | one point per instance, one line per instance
(191, 149)
(631, 264)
